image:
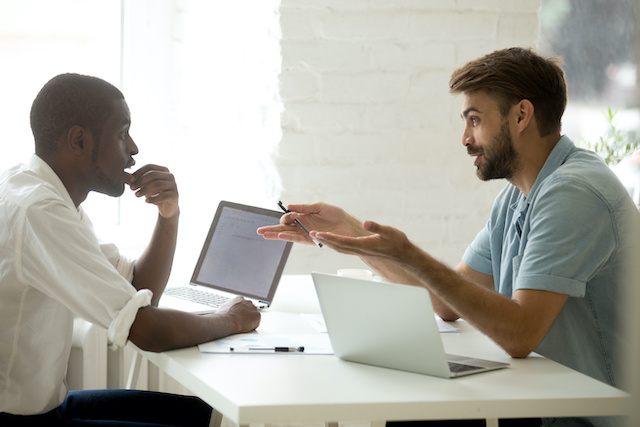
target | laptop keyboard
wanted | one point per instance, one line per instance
(196, 295)
(461, 367)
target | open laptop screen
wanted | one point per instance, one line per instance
(236, 259)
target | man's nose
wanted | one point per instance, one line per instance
(467, 139)
(133, 148)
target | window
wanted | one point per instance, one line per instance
(200, 78)
(599, 41)
(40, 39)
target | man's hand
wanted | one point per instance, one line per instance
(242, 312)
(316, 216)
(158, 186)
(382, 241)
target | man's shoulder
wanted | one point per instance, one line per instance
(583, 169)
(584, 163)
(23, 187)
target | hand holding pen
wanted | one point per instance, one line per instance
(285, 210)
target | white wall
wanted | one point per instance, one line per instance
(368, 123)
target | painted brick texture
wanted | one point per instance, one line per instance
(368, 123)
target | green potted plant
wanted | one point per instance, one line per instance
(615, 145)
(620, 152)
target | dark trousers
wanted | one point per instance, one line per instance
(118, 408)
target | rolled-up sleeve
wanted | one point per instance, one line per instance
(118, 332)
(90, 279)
(564, 252)
(478, 253)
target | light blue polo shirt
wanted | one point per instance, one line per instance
(569, 236)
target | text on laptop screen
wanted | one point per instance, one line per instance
(236, 258)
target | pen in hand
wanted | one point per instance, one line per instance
(285, 210)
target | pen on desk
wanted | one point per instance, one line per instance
(279, 349)
(300, 224)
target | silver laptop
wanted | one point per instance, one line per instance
(234, 260)
(403, 335)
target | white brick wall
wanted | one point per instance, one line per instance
(368, 123)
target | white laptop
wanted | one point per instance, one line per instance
(234, 260)
(388, 325)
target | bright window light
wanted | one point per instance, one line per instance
(200, 78)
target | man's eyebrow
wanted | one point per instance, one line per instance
(466, 112)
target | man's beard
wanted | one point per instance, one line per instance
(102, 183)
(108, 186)
(500, 160)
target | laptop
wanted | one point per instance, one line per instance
(234, 260)
(404, 335)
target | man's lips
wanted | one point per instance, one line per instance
(126, 176)
(474, 153)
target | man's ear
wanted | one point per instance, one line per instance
(78, 140)
(524, 114)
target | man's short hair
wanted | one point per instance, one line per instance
(511, 75)
(69, 100)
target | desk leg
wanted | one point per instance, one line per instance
(492, 422)
(331, 424)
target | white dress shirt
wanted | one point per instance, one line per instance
(52, 267)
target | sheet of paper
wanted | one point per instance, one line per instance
(445, 327)
(316, 321)
(253, 343)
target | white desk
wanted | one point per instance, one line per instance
(282, 388)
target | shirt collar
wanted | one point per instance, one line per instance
(43, 170)
(556, 158)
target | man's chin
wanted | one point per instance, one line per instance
(483, 176)
(113, 192)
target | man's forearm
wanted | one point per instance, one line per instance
(162, 330)
(157, 329)
(153, 268)
(517, 324)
